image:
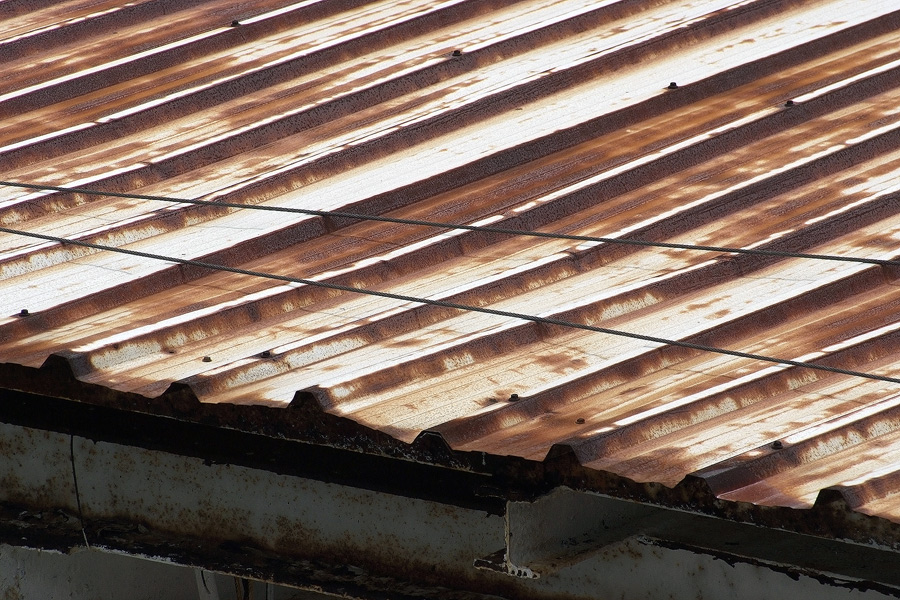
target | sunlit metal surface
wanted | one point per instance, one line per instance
(753, 124)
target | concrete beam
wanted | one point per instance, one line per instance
(64, 491)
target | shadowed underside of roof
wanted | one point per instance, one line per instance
(781, 132)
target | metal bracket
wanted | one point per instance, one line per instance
(561, 529)
(567, 527)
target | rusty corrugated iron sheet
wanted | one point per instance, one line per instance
(750, 124)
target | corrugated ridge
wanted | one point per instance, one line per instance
(94, 20)
(580, 390)
(680, 157)
(873, 494)
(738, 397)
(135, 56)
(43, 15)
(460, 116)
(525, 386)
(283, 66)
(745, 477)
(837, 225)
(846, 221)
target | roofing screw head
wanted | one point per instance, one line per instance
(789, 103)
(777, 445)
(235, 23)
(207, 359)
(579, 421)
(513, 397)
(672, 86)
(456, 53)
(23, 312)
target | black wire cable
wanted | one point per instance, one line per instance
(482, 228)
(453, 305)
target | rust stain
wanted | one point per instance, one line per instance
(557, 118)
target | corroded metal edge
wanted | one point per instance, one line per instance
(56, 531)
(306, 441)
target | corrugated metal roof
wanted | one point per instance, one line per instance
(551, 117)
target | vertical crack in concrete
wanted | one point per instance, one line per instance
(77, 494)
(203, 579)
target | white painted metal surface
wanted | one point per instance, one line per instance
(564, 545)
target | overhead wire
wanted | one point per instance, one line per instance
(464, 227)
(452, 305)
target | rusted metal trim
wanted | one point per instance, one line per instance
(304, 440)
(47, 530)
(220, 445)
